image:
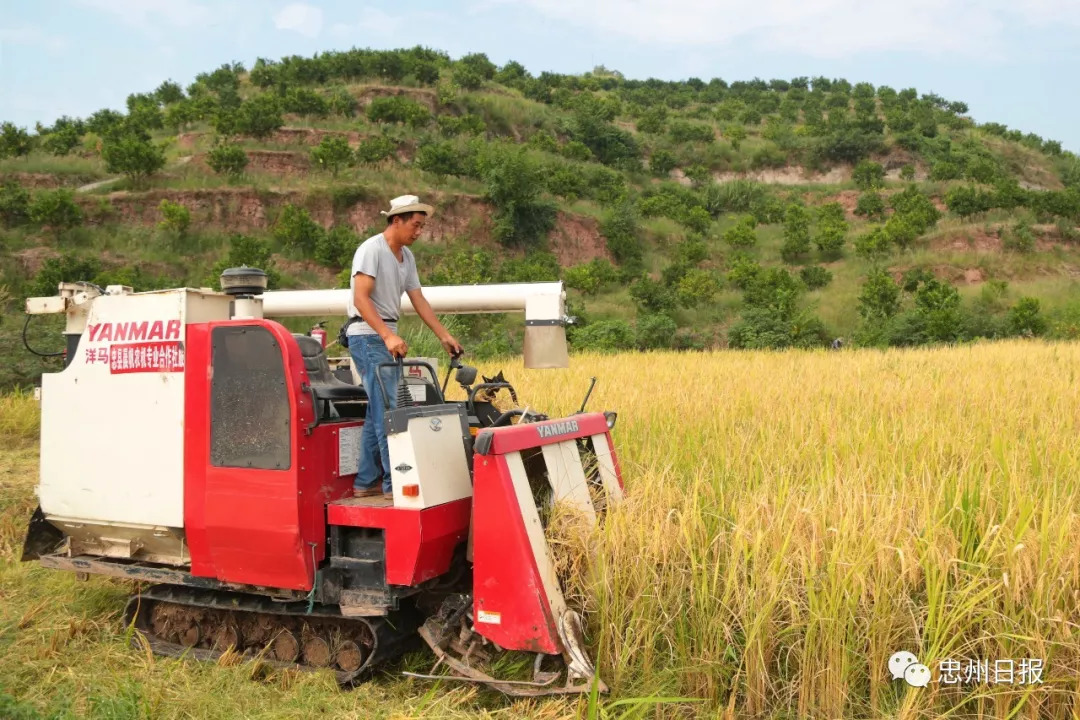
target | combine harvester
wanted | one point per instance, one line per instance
(192, 444)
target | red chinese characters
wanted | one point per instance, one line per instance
(146, 357)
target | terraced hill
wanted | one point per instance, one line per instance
(681, 214)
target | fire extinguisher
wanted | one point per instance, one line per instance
(319, 333)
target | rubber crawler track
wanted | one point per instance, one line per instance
(204, 624)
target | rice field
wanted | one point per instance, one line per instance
(792, 520)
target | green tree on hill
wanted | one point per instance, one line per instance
(14, 204)
(133, 156)
(14, 141)
(56, 209)
(832, 230)
(796, 233)
(227, 159)
(513, 183)
(333, 153)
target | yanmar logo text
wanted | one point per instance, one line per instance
(555, 429)
(133, 331)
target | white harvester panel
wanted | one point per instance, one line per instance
(427, 448)
(112, 422)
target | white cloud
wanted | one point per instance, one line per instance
(32, 36)
(824, 28)
(304, 19)
(142, 13)
(373, 21)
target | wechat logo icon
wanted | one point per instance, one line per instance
(905, 665)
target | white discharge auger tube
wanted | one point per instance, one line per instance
(544, 305)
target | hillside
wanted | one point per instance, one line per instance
(681, 214)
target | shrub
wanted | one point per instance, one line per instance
(604, 336)
(654, 332)
(874, 244)
(870, 205)
(66, 268)
(742, 235)
(258, 117)
(682, 131)
(907, 172)
(735, 135)
(967, 200)
(661, 163)
(651, 296)
(14, 204)
(440, 158)
(831, 231)
(61, 141)
(768, 156)
(696, 219)
(734, 196)
(796, 233)
(514, 185)
(590, 277)
(1019, 238)
(916, 208)
(175, 218)
(302, 101)
(227, 159)
(342, 102)
(536, 266)
(295, 230)
(335, 248)
(56, 209)
(622, 234)
(14, 141)
(815, 277)
(333, 153)
(577, 150)
(1026, 319)
(398, 109)
(470, 124)
(697, 286)
(868, 175)
(375, 149)
(133, 156)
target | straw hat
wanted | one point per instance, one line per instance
(407, 203)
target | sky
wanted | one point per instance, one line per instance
(1008, 60)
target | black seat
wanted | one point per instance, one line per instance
(323, 382)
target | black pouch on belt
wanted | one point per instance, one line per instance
(343, 334)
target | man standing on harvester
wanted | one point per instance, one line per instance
(382, 269)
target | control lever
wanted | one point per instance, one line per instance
(455, 362)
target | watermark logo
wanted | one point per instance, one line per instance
(1024, 671)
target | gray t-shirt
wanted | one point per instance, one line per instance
(392, 278)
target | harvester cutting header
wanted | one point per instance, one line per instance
(192, 443)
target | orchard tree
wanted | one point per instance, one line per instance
(742, 235)
(227, 159)
(56, 209)
(735, 135)
(796, 233)
(831, 231)
(14, 204)
(333, 153)
(259, 117)
(14, 141)
(133, 156)
(61, 141)
(868, 175)
(175, 218)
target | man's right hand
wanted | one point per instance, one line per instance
(396, 346)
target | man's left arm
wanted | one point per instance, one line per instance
(425, 313)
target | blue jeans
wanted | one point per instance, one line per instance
(367, 352)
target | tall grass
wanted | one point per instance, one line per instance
(20, 417)
(792, 519)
